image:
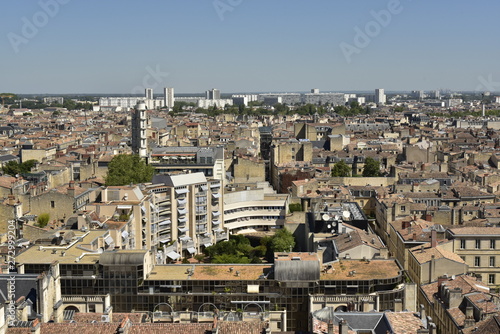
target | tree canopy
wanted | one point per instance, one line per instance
(13, 167)
(372, 168)
(341, 169)
(238, 248)
(125, 169)
(235, 250)
(282, 241)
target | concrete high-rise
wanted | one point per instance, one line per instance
(380, 96)
(213, 94)
(139, 138)
(169, 97)
(149, 93)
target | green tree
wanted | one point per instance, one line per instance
(235, 250)
(125, 169)
(13, 167)
(295, 207)
(282, 241)
(230, 258)
(43, 220)
(371, 168)
(341, 169)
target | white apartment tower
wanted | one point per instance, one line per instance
(379, 96)
(190, 209)
(139, 124)
(213, 94)
(169, 97)
(149, 93)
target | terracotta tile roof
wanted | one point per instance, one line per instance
(457, 315)
(6, 181)
(487, 326)
(475, 230)
(177, 328)
(484, 301)
(425, 255)
(250, 327)
(468, 284)
(404, 322)
(116, 317)
(357, 238)
(80, 328)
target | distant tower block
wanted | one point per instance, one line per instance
(149, 93)
(213, 94)
(315, 91)
(379, 96)
(169, 97)
(139, 139)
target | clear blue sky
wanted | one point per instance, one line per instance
(97, 46)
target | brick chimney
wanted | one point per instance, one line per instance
(434, 239)
(343, 327)
(469, 317)
(330, 327)
(12, 200)
(35, 327)
(71, 189)
(441, 279)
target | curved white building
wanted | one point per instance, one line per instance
(253, 208)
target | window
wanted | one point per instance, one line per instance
(403, 208)
(492, 261)
(491, 279)
(477, 261)
(462, 244)
(478, 244)
(492, 244)
(52, 204)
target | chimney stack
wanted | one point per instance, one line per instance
(343, 327)
(422, 311)
(433, 238)
(71, 189)
(12, 200)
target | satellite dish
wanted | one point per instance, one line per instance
(346, 214)
(337, 217)
(329, 226)
(325, 217)
(334, 224)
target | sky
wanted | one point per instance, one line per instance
(122, 47)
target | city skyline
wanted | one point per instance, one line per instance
(67, 47)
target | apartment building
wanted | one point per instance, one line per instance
(458, 304)
(208, 160)
(190, 213)
(253, 207)
(129, 213)
(479, 248)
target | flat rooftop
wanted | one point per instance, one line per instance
(206, 272)
(375, 269)
(43, 254)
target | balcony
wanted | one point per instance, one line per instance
(183, 229)
(165, 222)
